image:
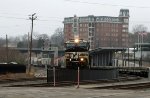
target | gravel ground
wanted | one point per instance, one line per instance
(69, 92)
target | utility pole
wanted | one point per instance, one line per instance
(28, 51)
(6, 49)
(32, 18)
(141, 48)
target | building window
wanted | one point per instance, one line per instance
(80, 29)
(90, 34)
(123, 30)
(123, 39)
(92, 29)
(107, 34)
(116, 25)
(80, 25)
(75, 20)
(97, 29)
(126, 20)
(86, 25)
(125, 26)
(123, 35)
(90, 25)
(116, 30)
(75, 29)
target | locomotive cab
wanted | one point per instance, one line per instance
(76, 54)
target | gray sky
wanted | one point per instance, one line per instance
(14, 14)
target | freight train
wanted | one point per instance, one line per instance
(77, 53)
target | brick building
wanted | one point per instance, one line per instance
(100, 31)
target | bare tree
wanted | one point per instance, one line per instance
(58, 38)
(138, 29)
(131, 39)
(43, 41)
(2, 42)
(13, 56)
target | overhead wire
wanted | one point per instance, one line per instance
(20, 18)
(10, 17)
(105, 4)
(79, 2)
(13, 17)
(47, 20)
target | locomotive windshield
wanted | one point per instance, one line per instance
(81, 46)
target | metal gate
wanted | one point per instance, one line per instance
(85, 74)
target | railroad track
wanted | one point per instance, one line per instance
(11, 80)
(65, 83)
(135, 86)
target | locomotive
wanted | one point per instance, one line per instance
(77, 53)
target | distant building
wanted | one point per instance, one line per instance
(47, 56)
(100, 31)
(10, 45)
(142, 50)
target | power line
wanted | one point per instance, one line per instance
(46, 20)
(49, 20)
(13, 17)
(9, 17)
(24, 15)
(52, 17)
(5, 13)
(105, 4)
(139, 21)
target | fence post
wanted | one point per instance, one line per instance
(54, 76)
(148, 73)
(78, 77)
(47, 75)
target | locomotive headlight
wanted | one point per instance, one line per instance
(70, 59)
(76, 40)
(81, 59)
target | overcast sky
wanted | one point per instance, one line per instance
(14, 14)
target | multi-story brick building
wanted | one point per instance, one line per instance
(100, 31)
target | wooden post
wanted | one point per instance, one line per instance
(54, 76)
(78, 77)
